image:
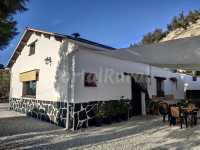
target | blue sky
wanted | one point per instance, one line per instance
(116, 23)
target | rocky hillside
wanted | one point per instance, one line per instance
(183, 25)
(192, 30)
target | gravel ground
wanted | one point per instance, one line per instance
(20, 132)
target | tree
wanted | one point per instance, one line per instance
(147, 39)
(158, 34)
(192, 17)
(174, 24)
(153, 37)
(1, 66)
(8, 29)
(182, 21)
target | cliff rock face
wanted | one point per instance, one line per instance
(192, 30)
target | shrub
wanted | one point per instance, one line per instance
(113, 111)
(183, 103)
(152, 107)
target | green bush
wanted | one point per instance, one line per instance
(152, 107)
(112, 109)
(183, 103)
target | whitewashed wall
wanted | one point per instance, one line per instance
(180, 88)
(89, 61)
(45, 86)
(185, 82)
(188, 82)
(83, 60)
(169, 86)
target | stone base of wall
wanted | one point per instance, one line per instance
(54, 112)
(81, 115)
(85, 114)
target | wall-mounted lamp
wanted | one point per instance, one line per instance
(48, 60)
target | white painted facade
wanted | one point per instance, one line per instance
(83, 59)
(45, 85)
(89, 61)
(188, 82)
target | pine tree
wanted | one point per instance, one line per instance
(192, 17)
(182, 22)
(8, 29)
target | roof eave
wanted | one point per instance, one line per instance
(86, 43)
(14, 52)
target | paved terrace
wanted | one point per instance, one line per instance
(20, 132)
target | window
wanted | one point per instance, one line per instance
(160, 87)
(32, 49)
(90, 80)
(29, 89)
(174, 81)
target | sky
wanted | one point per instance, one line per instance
(116, 23)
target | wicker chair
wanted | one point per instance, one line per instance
(177, 116)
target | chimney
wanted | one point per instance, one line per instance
(76, 35)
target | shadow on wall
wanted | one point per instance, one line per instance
(62, 81)
(82, 115)
(62, 72)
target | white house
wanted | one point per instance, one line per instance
(63, 79)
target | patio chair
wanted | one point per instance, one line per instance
(176, 115)
(192, 116)
(164, 110)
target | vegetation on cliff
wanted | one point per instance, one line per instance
(177, 22)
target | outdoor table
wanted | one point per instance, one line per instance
(171, 102)
(190, 112)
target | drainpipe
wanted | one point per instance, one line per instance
(150, 73)
(72, 83)
(71, 80)
(149, 85)
(68, 92)
(70, 88)
(67, 119)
